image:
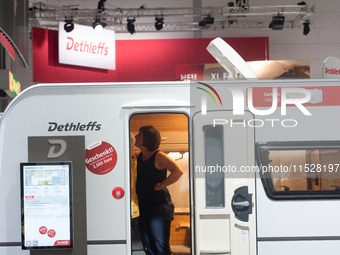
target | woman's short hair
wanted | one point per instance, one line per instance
(151, 137)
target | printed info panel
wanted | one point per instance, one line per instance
(46, 200)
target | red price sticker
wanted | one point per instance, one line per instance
(51, 233)
(43, 230)
(101, 158)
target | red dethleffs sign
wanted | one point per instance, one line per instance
(85, 47)
(331, 68)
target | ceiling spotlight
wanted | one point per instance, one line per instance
(101, 5)
(98, 25)
(306, 28)
(277, 22)
(131, 26)
(202, 23)
(159, 24)
(206, 21)
(69, 26)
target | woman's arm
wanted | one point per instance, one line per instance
(136, 153)
(163, 161)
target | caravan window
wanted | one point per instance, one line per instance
(214, 183)
(300, 170)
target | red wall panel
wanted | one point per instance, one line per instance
(136, 60)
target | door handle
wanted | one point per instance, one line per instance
(244, 203)
(241, 203)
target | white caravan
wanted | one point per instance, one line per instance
(259, 179)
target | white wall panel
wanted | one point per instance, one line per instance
(299, 247)
(106, 249)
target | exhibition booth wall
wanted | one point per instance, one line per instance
(136, 60)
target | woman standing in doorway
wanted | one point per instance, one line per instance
(155, 205)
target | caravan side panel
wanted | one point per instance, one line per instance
(36, 113)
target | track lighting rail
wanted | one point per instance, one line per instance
(175, 19)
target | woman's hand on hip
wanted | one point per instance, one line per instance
(158, 187)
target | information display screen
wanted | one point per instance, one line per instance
(46, 200)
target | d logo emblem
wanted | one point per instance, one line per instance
(53, 153)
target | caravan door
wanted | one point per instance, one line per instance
(225, 214)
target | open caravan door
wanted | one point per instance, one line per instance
(225, 213)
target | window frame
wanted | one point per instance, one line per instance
(262, 149)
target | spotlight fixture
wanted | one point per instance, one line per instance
(101, 5)
(98, 25)
(206, 21)
(277, 22)
(159, 24)
(241, 3)
(69, 26)
(131, 26)
(306, 28)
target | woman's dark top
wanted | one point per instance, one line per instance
(147, 177)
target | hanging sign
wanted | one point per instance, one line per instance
(85, 47)
(9, 83)
(14, 84)
(331, 68)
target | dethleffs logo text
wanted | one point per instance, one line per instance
(87, 47)
(289, 96)
(70, 126)
(332, 71)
